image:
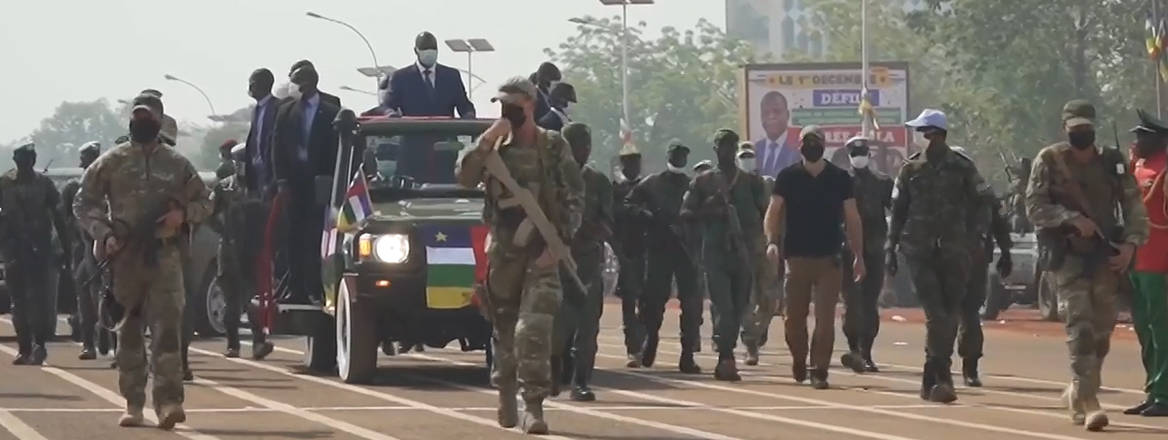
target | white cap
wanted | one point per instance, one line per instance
(930, 118)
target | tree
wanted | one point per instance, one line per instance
(683, 86)
(72, 125)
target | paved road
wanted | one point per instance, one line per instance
(443, 394)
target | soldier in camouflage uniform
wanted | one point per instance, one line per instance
(716, 198)
(523, 283)
(237, 217)
(767, 285)
(81, 254)
(136, 180)
(936, 197)
(579, 324)
(873, 192)
(657, 199)
(1076, 190)
(629, 245)
(29, 206)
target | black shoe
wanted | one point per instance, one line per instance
(649, 352)
(727, 370)
(114, 364)
(261, 350)
(1155, 410)
(582, 393)
(231, 353)
(799, 371)
(752, 355)
(969, 373)
(388, 348)
(1138, 409)
(38, 355)
(687, 365)
(942, 393)
(21, 359)
(188, 375)
(87, 354)
(819, 379)
(870, 367)
(853, 361)
(928, 380)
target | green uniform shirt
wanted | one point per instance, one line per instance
(936, 200)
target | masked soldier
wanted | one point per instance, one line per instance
(935, 199)
(658, 200)
(523, 282)
(237, 217)
(764, 294)
(81, 256)
(629, 245)
(729, 204)
(1076, 190)
(168, 197)
(989, 226)
(581, 322)
(873, 192)
(29, 204)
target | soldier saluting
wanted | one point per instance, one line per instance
(1091, 218)
(28, 204)
(138, 181)
(519, 161)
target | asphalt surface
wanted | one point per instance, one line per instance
(443, 394)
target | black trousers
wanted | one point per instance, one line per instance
(629, 286)
(668, 265)
(970, 339)
(862, 316)
(30, 284)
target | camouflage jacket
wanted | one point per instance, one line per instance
(79, 239)
(128, 180)
(1107, 183)
(597, 222)
(936, 199)
(30, 210)
(746, 191)
(873, 193)
(628, 226)
(547, 169)
(661, 195)
(237, 216)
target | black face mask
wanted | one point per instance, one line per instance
(144, 130)
(514, 114)
(1081, 140)
(24, 162)
(812, 151)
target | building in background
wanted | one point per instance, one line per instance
(778, 28)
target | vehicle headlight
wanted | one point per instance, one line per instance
(388, 248)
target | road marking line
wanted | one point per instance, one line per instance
(294, 411)
(18, 428)
(377, 394)
(107, 395)
(696, 433)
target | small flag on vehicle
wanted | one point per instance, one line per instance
(357, 205)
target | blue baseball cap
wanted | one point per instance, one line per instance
(930, 118)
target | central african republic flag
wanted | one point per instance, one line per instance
(455, 259)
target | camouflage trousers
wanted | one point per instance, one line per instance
(153, 297)
(578, 325)
(1090, 295)
(765, 294)
(524, 300)
(940, 277)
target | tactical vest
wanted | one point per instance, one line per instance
(502, 209)
(1103, 199)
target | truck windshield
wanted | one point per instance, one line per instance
(412, 160)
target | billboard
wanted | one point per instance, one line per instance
(778, 100)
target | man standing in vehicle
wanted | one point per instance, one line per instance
(147, 272)
(523, 282)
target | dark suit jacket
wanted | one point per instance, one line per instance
(331, 99)
(288, 137)
(551, 121)
(262, 147)
(407, 94)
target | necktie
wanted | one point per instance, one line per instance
(429, 80)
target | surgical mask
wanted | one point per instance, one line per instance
(859, 162)
(1081, 140)
(281, 90)
(674, 168)
(427, 57)
(294, 91)
(144, 130)
(514, 114)
(746, 163)
(919, 141)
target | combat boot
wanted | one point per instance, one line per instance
(582, 393)
(508, 412)
(853, 360)
(686, 363)
(819, 379)
(727, 369)
(943, 391)
(649, 352)
(533, 422)
(87, 354)
(21, 359)
(751, 354)
(928, 380)
(231, 353)
(261, 350)
(38, 355)
(634, 360)
(170, 415)
(969, 373)
(799, 370)
(1096, 418)
(131, 418)
(1074, 406)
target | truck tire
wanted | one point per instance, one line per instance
(1048, 304)
(209, 304)
(356, 339)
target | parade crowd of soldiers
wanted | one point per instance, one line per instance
(756, 246)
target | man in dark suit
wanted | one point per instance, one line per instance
(260, 178)
(304, 148)
(544, 78)
(425, 88)
(332, 99)
(562, 96)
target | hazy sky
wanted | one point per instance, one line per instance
(81, 50)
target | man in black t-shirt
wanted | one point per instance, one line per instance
(813, 197)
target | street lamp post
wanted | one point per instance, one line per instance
(470, 47)
(169, 77)
(388, 70)
(354, 90)
(359, 34)
(627, 125)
